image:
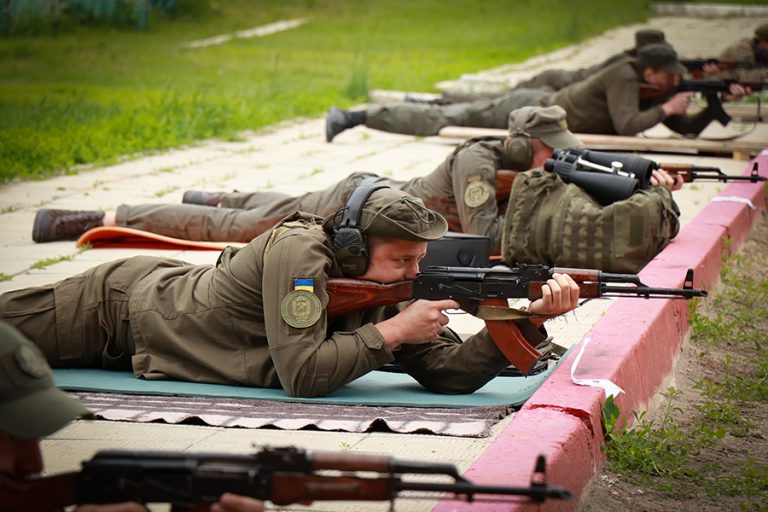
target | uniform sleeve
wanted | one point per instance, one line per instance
(623, 99)
(473, 175)
(451, 367)
(309, 357)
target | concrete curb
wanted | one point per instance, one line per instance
(634, 345)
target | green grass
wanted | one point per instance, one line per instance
(691, 453)
(93, 94)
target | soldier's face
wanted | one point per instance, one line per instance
(660, 77)
(19, 458)
(393, 260)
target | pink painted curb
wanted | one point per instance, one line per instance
(634, 345)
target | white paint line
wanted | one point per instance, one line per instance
(264, 30)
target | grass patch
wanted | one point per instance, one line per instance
(52, 261)
(93, 94)
(710, 444)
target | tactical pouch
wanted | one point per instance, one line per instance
(554, 223)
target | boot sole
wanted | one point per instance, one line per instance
(40, 226)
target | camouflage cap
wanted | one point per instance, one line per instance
(761, 32)
(648, 36)
(545, 123)
(660, 56)
(392, 213)
(31, 406)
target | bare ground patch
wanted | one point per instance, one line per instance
(712, 429)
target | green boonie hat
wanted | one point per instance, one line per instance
(761, 32)
(648, 36)
(31, 406)
(392, 213)
(545, 123)
(660, 56)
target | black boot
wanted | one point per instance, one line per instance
(53, 225)
(338, 120)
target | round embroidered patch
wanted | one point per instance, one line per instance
(476, 193)
(301, 309)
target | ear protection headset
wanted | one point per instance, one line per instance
(350, 246)
(519, 151)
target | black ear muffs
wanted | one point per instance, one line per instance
(519, 152)
(350, 245)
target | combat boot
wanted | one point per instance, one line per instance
(53, 225)
(338, 120)
(202, 198)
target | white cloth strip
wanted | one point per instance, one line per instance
(609, 387)
(733, 199)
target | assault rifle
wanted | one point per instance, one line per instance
(691, 173)
(710, 89)
(611, 177)
(484, 293)
(696, 66)
(280, 475)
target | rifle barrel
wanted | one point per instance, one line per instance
(537, 493)
(648, 292)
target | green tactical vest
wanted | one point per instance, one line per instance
(554, 223)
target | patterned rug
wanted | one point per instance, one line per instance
(248, 413)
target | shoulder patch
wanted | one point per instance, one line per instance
(476, 193)
(301, 309)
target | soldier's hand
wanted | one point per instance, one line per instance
(677, 104)
(559, 295)
(660, 177)
(420, 322)
(710, 68)
(736, 91)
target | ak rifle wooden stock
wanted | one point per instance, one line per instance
(493, 287)
(503, 183)
(189, 481)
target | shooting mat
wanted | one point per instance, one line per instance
(378, 400)
(120, 237)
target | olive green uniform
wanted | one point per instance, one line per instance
(744, 51)
(557, 79)
(554, 79)
(461, 188)
(609, 103)
(241, 321)
(242, 217)
(606, 103)
(425, 120)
